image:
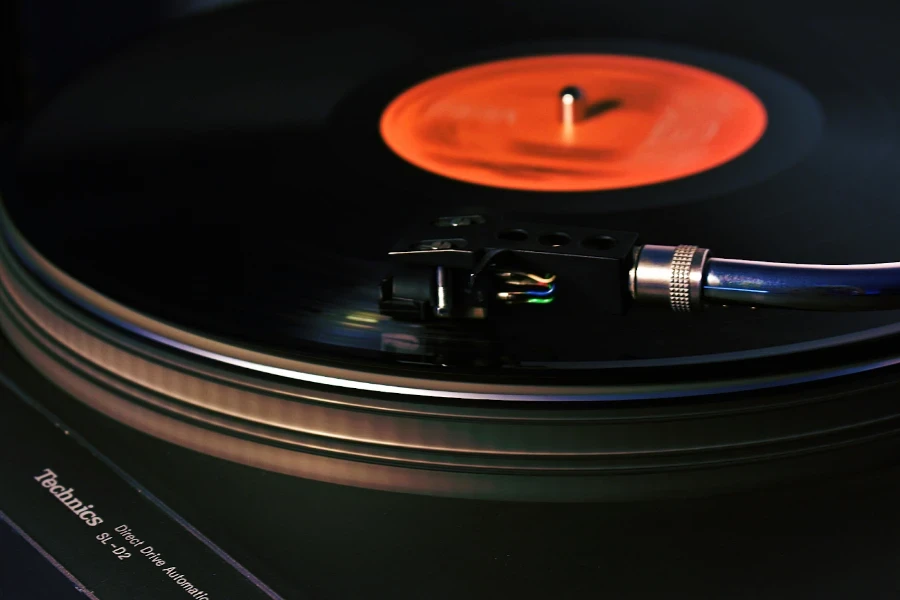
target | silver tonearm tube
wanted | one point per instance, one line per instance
(687, 278)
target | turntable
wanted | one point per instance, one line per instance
(471, 299)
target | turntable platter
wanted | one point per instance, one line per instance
(238, 187)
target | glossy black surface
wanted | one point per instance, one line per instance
(836, 536)
(26, 573)
(223, 174)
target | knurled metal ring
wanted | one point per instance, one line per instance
(680, 278)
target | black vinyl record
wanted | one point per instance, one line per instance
(227, 174)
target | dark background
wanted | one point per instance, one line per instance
(43, 44)
(12, 76)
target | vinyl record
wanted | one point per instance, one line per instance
(232, 175)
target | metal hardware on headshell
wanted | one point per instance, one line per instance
(471, 266)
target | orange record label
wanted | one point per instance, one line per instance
(568, 123)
